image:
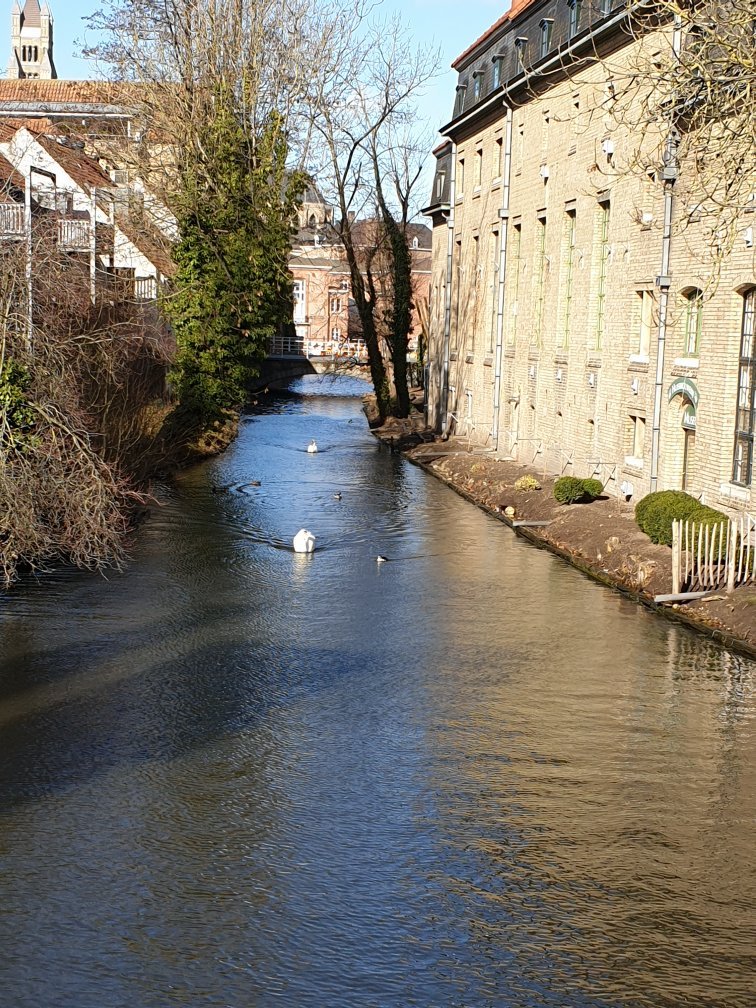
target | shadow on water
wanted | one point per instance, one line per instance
(236, 776)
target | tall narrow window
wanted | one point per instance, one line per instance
(742, 462)
(300, 303)
(545, 42)
(477, 83)
(545, 124)
(603, 263)
(646, 310)
(498, 157)
(693, 317)
(460, 177)
(493, 287)
(570, 222)
(637, 436)
(576, 12)
(496, 72)
(520, 149)
(514, 283)
(478, 168)
(540, 279)
(476, 278)
(459, 100)
(458, 277)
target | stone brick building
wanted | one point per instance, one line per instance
(581, 319)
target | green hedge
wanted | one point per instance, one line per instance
(572, 490)
(656, 512)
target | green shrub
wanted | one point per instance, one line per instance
(593, 488)
(572, 490)
(656, 512)
(527, 483)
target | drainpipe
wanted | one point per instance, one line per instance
(444, 391)
(663, 282)
(503, 236)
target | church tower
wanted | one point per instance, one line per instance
(31, 41)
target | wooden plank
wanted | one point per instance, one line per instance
(683, 596)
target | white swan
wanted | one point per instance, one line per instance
(312, 447)
(304, 542)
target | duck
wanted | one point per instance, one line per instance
(381, 559)
(337, 496)
(312, 447)
(304, 542)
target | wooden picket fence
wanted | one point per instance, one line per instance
(713, 557)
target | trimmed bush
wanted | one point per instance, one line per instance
(572, 490)
(656, 512)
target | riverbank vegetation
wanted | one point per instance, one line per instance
(235, 109)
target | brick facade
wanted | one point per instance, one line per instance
(547, 279)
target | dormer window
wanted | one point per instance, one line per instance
(496, 73)
(460, 99)
(546, 26)
(477, 84)
(576, 12)
(521, 44)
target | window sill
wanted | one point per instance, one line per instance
(633, 463)
(734, 491)
(496, 182)
(635, 358)
(488, 361)
(686, 362)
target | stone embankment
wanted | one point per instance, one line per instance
(601, 538)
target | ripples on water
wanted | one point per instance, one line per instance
(236, 776)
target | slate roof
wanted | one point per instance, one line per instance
(518, 6)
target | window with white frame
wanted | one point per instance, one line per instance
(336, 304)
(693, 320)
(300, 303)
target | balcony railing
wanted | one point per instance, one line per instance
(11, 220)
(74, 235)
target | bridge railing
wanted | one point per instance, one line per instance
(284, 345)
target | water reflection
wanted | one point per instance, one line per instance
(238, 776)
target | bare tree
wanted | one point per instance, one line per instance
(368, 158)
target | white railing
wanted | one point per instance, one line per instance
(74, 235)
(145, 289)
(713, 557)
(11, 219)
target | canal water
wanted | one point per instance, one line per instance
(237, 776)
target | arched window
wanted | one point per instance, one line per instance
(742, 461)
(313, 221)
(693, 318)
